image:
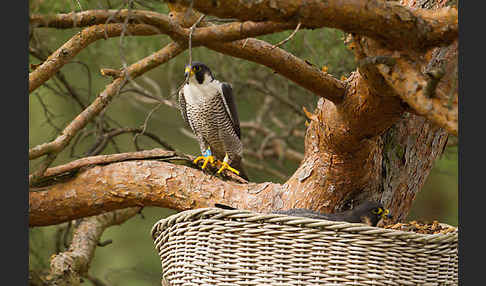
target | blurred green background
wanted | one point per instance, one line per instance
(131, 258)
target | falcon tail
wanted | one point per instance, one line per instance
(238, 165)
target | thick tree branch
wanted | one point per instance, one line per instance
(286, 64)
(225, 32)
(77, 43)
(68, 267)
(411, 86)
(407, 78)
(134, 70)
(395, 25)
(144, 183)
(107, 159)
(258, 51)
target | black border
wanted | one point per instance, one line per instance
(471, 146)
(15, 141)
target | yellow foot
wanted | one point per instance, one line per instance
(225, 165)
(207, 157)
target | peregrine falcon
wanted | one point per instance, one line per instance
(208, 107)
(368, 212)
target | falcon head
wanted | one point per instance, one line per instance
(198, 73)
(371, 212)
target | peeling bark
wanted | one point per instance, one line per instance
(388, 22)
(143, 183)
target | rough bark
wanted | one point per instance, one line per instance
(142, 183)
(389, 22)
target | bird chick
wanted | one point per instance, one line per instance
(368, 212)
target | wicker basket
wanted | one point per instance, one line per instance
(235, 247)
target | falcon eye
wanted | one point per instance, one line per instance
(376, 211)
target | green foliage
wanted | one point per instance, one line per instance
(438, 199)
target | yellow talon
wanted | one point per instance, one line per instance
(207, 157)
(225, 165)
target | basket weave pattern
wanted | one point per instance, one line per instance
(236, 247)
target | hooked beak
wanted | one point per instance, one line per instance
(188, 72)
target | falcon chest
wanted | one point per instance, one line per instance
(206, 112)
(201, 94)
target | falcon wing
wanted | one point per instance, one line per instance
(230, 107)
(182, 107)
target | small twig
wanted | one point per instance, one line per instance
(110, 18)
(187, 133)
(191, 30)
(294, 130)
(141, 213)
(60, 76)
(282, 99)
(193, 27)
(105, 243)
(79, 4)
(79, 138)
(288, 38)
(153, 84)
(105, 138)
(145, 123)
(70, 89)
(264, 110)
(278, 142)
(244, 43)
(148, 98)
(66, 234)
(162, 143)
(39, 173)
(58, 239)
(106, 159)
(114, 73)
(265, 142)
(99, 104)
(115, 146)
(47, 113)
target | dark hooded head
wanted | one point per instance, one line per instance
(371, 212)
(199, 71)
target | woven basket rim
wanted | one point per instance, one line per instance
(338, 226)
